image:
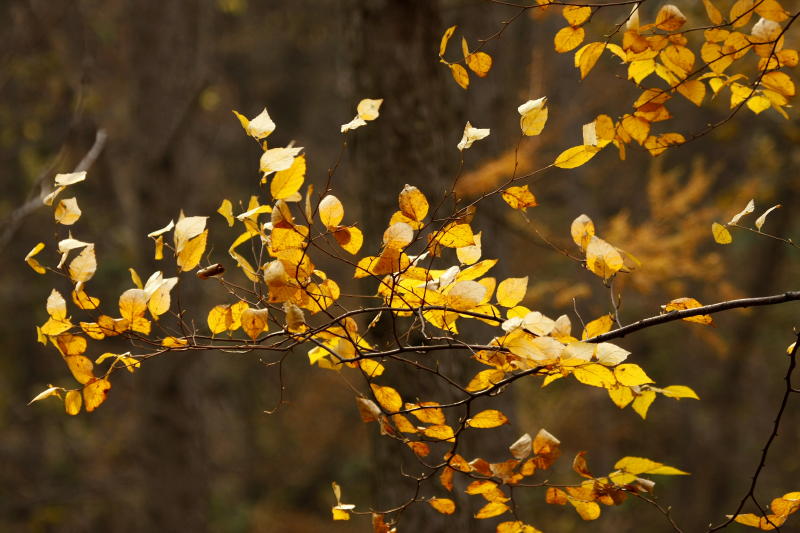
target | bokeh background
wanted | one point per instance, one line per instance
(185, 444)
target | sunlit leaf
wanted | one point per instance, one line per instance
(489, 418)
(443, 505)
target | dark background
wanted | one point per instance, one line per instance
(184, 444)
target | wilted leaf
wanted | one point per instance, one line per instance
(471, 135)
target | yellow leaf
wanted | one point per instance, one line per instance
(642, 402)
(771, 10)
(679, 391)
(582, 230)
(413, 203)
(492, 509)
(465, 295)
(226, 210)
(658, 145)
(81, 367)
(277, 159)
(519, 198)
(172, 342)
(620, 395)
(670, 18)
(576, 15)
(398, 235)
(511, 291)
(83, 267)
(160, 299)
(349, 238)
(33, 263)
(639, 70)
(67, 211)
(631, 375)
(713, 13)
(254, 322)
(595, 375)
(133, 304)
(767, 523)
(73, 402)
(516, 527)
(485, 379)
(455, 235)
(440, 432)
(331, 211)
(597, 327)
(568, 38)
(576, 156)
(340, 514)
(219, 319)
(443, 505)
(186, 229)
(741, 12)
(480, 63)
(679, 304)
(586, 510)
(445, 38)
(371, 367)
(721, 233)
(641, 465)
(602, 258)
(460, 75)
(387, 397)
(636, 127)
(287, 182)
(586, 58)
(95, 393)
(428, 412)
(694, 91)
(533, 116)
(259, 127)
(189, 257)
(490, 418)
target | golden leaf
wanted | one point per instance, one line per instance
(721, 234)
(519, 198)
(331, 211)
(631, 375)
(73, 402)
(492, 509)
(586, 58)
(576, 156)
(460, 75)
(568, 38)
(480, 63)
(387, 397)
(490, 418)
(95, 393)
(189, 257)
(413, 203)
(443, 505)
(511, 291)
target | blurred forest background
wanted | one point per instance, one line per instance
(184, 444)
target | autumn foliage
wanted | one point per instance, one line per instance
(427, 284)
